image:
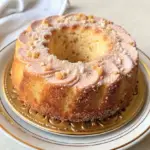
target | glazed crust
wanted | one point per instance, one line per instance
(70, 102)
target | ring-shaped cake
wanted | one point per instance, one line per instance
(75, 67)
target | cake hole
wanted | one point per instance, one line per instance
(78, 44)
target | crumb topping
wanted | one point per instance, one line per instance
(41, 38)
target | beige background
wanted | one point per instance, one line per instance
(133, 15)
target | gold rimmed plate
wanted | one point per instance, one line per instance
(120, 131)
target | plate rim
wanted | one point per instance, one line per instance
(132, 142)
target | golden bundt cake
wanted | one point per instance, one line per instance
(75, 67)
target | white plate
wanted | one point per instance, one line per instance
(122, 138)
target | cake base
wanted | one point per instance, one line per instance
(81, 128)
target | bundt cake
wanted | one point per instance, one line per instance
(75, 67)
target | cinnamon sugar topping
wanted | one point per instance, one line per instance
(99, 69)
(132, 43)
(48, 67)
(60, 75)
(33, 54)
(36, 54)
(29, 53)
(42, 64)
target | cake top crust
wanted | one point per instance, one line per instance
(77, 50)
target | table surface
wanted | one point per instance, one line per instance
(133, 15)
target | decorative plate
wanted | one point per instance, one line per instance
(119, 132)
